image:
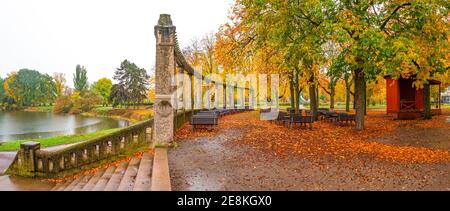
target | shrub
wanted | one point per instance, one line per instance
(63, 104)
(75, 111)
(76, 103)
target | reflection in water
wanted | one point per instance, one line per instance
(34, 125)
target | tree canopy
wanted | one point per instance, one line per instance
(29, 87)
(133, 83)
(103, 87)
(357, 41)
(80, 79)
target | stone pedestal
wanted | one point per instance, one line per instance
(27, 158)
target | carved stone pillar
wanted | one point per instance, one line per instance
(27, 158)
(192, 92)
(180, 103)
(165, 66)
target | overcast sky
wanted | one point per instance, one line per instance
(54, 36)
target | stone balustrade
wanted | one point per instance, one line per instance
(32, 161)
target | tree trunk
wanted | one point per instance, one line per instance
(313, 98)
(317, 96)
(291, 87)
(365, 98)
(332, 94)
(359, 98)
(347, 95)
(297, 99)
(354, 94)
(296, 90)
(427, 101)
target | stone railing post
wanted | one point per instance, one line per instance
(191, 78)
(27, 158)
(165, 70)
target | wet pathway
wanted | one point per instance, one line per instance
(6, 158)
(11, 183)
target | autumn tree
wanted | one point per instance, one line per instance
(400, 38)
(103, 87)
(201, 53)
(60, 83)
(151, 90)
(296, 28)
(2, 91)
(11, 77)
(80, 79)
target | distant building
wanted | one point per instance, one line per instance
(445, 96)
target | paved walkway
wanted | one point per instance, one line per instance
(222, 160)
(6, 158)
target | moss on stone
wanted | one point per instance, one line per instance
(165, 20)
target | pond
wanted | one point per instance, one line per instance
(33, 125)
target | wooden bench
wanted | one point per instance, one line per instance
(322, 113)
(208, 119)
(331, 116)
(282, 117)
(346, 118)
(307, 120)
(302, 120)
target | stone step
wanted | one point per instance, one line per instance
(73, 183)
(129, 178)
(65, 184)
(61, 185)
(114, 182)
(82, 182)
(144, 176)
(135, 175)
(93, 181)
(58, 185)
(160, 173)
(103, 181)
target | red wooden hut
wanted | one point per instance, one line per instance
(405, 101)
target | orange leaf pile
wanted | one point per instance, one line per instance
(328, 140)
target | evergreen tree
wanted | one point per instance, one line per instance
(80, 79)
(133, 80)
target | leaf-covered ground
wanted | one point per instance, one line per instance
(392, 155)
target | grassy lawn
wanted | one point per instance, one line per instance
(40, 109)
(445, 106)
(103, 108)
(45, 108)
(55, 141)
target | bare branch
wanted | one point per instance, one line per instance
(383, 26)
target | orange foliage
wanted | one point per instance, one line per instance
(327, 140)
